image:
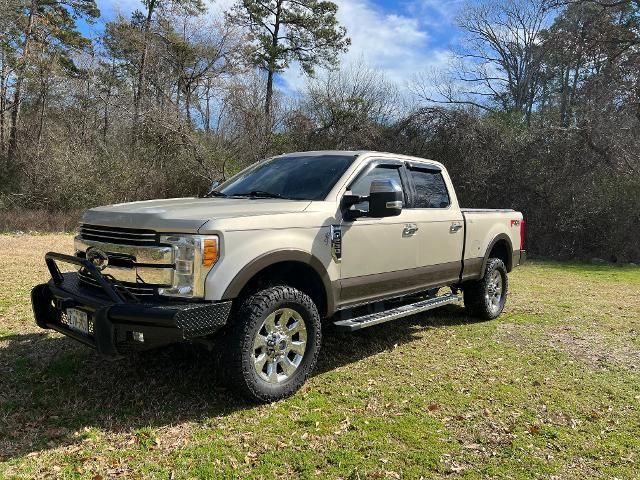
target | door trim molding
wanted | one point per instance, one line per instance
(377, 286)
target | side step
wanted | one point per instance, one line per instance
(371, 319)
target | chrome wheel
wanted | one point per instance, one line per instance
(494, 291)
(279, 345)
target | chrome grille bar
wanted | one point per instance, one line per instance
(93, 230)
(118, 235)
(162, 255)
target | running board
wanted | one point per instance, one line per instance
(371, 319)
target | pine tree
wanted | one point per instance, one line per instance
(282, 31)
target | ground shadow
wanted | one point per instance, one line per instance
(53, 387)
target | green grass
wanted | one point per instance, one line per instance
(549, 390)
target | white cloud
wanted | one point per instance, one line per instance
(397, 45)
(437, 13)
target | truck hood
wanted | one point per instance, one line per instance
(186, 214)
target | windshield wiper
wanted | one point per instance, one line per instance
(215, 193)
(261, 194)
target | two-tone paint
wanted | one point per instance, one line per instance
(356, 261)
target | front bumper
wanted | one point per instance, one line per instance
(118, 323)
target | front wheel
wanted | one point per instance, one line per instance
(274, 343)
(485, 298)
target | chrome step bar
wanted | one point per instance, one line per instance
(371, 319)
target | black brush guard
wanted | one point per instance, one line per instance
(114, 313)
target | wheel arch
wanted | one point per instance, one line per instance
(304, 271)
(500, 247)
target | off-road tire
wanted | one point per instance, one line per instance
(478, 296)
(246, 323)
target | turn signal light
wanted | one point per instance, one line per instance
(210, 252)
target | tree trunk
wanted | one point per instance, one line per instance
(105, 128)
(207, 108)
(86, 117)
(269, 97)
(137, 100)
(178, 98)
(44, 87)
(3, 97)
(187, 104)
(17, 94)
(564, 96)
(273, 60)
(576, 75)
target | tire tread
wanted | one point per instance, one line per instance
(474, 298)
(252, 309)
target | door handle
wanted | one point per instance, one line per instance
(409, 230)
(455, 226)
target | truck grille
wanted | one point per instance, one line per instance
(118, 235)
(136, 259)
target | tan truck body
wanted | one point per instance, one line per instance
(377, 261)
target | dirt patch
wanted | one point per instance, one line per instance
(595, 350)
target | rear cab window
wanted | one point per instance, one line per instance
(430, 187)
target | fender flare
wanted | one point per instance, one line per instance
(498, 238)
(273, 257)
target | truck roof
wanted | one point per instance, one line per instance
(356, 153)
(314, 153)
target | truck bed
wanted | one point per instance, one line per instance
(482, 225)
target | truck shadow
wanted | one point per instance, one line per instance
(55, 391)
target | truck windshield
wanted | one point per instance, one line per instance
(302, 177)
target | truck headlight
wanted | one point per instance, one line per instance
(194, 256)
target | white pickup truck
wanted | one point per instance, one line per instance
(356, 238)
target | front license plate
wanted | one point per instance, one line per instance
(78, 320)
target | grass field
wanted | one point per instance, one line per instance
(549, 390)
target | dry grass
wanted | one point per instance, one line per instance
(23, 267)
(550, 390)
(22, 220)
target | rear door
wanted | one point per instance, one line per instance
(440, 225)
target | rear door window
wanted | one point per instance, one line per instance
(430, 189)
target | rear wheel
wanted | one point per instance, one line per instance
(485, 298)
(274, 343)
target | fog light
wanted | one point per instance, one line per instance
(138, 336)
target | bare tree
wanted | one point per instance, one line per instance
(498, 65)
(347, 106)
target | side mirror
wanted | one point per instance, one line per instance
(212, 187)
(385, 199)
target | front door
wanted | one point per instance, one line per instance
(378, 254)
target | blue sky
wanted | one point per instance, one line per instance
(399, 39)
